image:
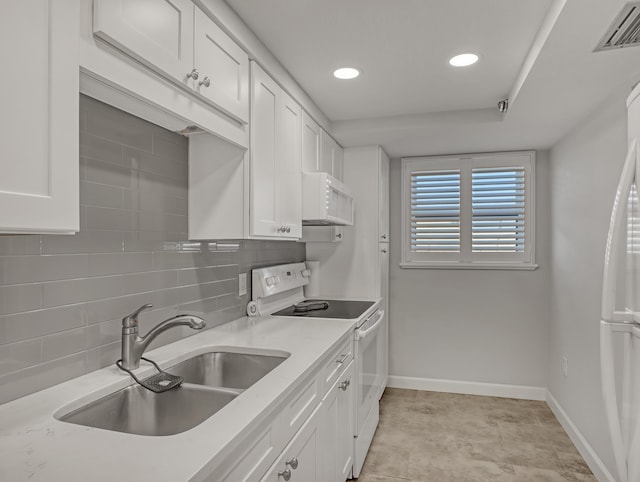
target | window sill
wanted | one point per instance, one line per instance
(499, 266)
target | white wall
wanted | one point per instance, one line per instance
(585, 168)
(487, 326)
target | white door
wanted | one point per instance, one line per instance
(384, 329)
(311, 132)
(39, 161)
(223, 68)
(157, 33)
(288, 167)
(265, 110)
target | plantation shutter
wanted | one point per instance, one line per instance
(498, 210)
(435, 211)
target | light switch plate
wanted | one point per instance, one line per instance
(242, 284)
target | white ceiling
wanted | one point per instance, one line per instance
(410, 100)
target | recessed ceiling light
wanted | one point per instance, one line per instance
(463, 60)
(346, 73)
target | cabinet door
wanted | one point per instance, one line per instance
(39, 160)
(346, 408)
(338, 161)
(337, 428)
(303, 452)
(327, 151)
(384, 330)
(383, 198)
(223, 68)
(265, 108)
(288, 168)
(158, 34)
(311, 132)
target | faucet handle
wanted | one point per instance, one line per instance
(132, 319)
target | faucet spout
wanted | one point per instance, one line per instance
(133, 345)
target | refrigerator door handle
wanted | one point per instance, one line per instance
(617, 228)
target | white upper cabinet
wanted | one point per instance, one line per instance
(158, 34)
(331, 156)
(178, 40)
(39, 161)
(320, 153)
(275, 188)
(223, 68)
(311, 133)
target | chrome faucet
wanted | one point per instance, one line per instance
(133, 345)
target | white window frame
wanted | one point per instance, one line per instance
(466, 259)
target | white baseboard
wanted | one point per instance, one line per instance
(588, 454)
(469, 388)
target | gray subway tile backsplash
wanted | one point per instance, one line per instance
(62, 298)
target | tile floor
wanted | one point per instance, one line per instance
(443, 437)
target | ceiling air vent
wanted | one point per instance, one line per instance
(624, 31)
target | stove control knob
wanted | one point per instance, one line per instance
(272, 280)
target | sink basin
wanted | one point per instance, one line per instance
(226, 369)
(136, 410)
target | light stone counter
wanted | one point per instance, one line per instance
(35, 446)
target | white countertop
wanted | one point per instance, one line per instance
(35, 446)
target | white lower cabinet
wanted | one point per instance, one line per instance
(308, 437)
(300, 461)
(337, 408)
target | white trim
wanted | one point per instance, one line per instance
(435, 265)
(589, 455)
(469, 388)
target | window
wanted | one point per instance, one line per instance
(471, 211)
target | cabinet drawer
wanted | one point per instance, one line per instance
(336, 362)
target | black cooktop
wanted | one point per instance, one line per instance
(335, 309)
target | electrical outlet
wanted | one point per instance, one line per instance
(565, 366)
(242, 284)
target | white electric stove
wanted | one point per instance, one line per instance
(278, 291)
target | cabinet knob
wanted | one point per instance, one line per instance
(206, 82)
(345, 384)
(384, 236)
(288, 229)
(280, 229)
(194, 74)
(341, 359)
(384, 250)
(285, 474)
(293, 463)
(339, 235)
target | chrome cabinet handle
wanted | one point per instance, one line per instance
(288, 229)
(342, 359)
(339, 235)
(206, 82)
(384, 250)
(345, 384)
(194, 74)
(280, 229)
(384, 236)
(285, 474)
(293, 463)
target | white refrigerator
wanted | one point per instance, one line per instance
(620, 325)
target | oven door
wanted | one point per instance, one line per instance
(370, 369)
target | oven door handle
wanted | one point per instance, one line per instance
(362, 334)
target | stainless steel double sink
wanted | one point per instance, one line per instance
(210, 381)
